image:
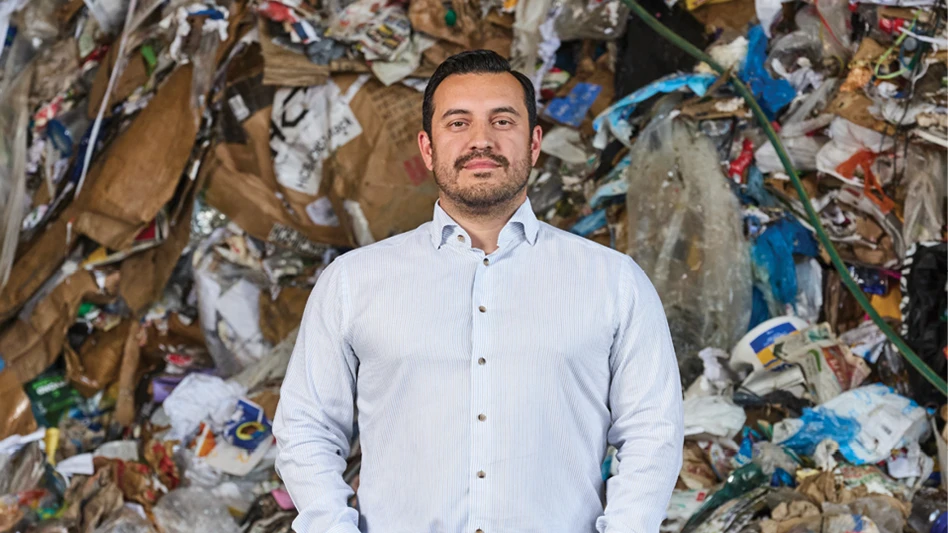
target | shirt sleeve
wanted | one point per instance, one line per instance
(314, 419)
(646, 406)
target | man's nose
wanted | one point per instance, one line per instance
(482, 137)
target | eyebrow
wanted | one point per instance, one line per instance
(496, 110)
(452, 112)
(505, 109)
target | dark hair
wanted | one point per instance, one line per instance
(475, 62)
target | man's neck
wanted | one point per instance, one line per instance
(483, 228)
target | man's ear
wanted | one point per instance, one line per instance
(424, 145)
(536, 140)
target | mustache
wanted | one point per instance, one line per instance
(480, 154)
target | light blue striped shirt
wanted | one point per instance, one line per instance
(487, 387)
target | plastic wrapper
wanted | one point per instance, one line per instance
(14, 117)
(126, 521)
(712, 416)
(887, 513)
(616, 119)
(110, 14)
(24, 469)
(685, 232)
(591, 19)
(867, 423)
(198, 398)
(731, 514)
(769, 457)
(681, 506)
(228, 281)
(925, 195)
(834, 18)
(187, 510)
(37, 28)
(795, 50)
(849, 523)
(773, 94)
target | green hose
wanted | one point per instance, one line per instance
(851, 284)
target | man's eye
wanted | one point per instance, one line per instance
(457, 124)
(503, 122)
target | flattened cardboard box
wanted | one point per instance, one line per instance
(242, 183)
(36, 261)
(30, 346)
(139, 172)
(16, 414)
(381, 171)
(96, 364)
(470, 30)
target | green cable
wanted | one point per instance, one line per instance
(824, 239)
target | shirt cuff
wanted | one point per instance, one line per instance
(345, 527)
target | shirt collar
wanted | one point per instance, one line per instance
(443, 226)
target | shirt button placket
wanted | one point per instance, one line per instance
(479, 450)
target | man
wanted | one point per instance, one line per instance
(493, 357)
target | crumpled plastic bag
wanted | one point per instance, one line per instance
(615, 119)
(849, 139)
(925, 195)
(228, 279)
(685, 231)
(713, 415)
(867, 423)
(126, 521)
(773, 94)
(197, 398)
(187, 510)
(600, 20)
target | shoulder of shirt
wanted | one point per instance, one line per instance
(591, 250)
(385, 247)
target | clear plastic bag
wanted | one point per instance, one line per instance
(126, 521)
(769, 457)
(887, 513)
(685, 232)
(237, 341)
(925, 195)
(591, 19)
(14, 117)
(791, 49)
(187, 510)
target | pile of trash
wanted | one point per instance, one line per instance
(177, 175)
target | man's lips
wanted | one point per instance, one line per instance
(481, 164)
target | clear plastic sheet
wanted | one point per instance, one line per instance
(685, 232)
(14, 117)
(192, 509)
(591, 19)
(925, 195)
(231, 347)
(126, 521)
(37, 28)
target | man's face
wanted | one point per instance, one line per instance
(481, 148)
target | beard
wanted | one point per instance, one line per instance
(483, 197)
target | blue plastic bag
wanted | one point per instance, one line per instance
(819, 424)
(772, 94)
(772, 254)
(615, 119)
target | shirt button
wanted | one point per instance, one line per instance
(481, 361)
(461, 238)
(481, 474)
(486, 261)
(482, 417)
(482, 309)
